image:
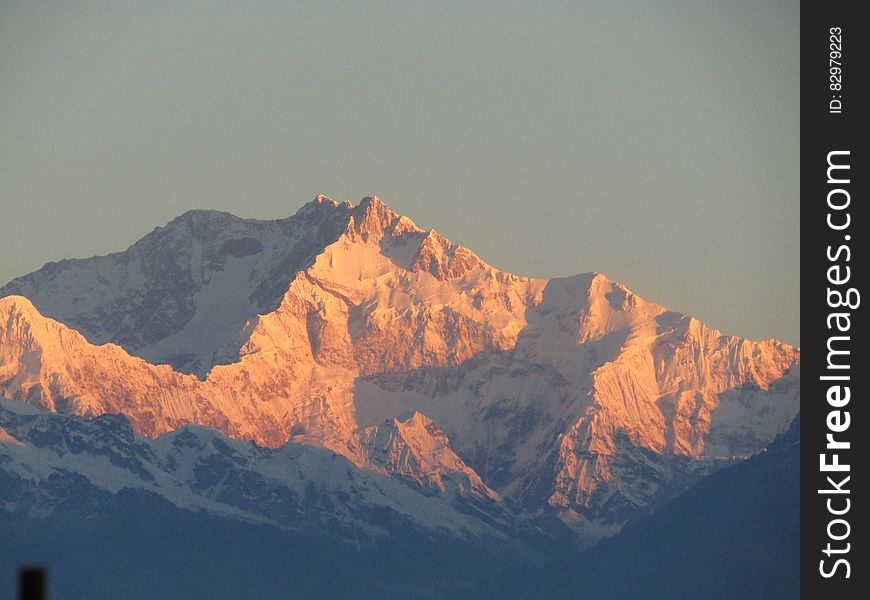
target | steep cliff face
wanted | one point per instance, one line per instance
(569, 393)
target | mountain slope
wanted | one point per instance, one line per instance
(570, 395)
(194, 514)
(734, 534)
(47, 459)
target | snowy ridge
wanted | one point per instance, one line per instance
(295, 487)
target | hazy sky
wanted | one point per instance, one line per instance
(656, 142)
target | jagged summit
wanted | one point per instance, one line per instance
(324, 205)
(373, 203)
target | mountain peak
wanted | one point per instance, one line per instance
(324, 206)
(204, 213)
(373, 201)
(413, 446)
(444, 259)
(372, 216)
(202, 219)
(371, 220)
(414, 417)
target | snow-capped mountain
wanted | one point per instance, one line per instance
(353, 329)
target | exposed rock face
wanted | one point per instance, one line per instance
(570, 393)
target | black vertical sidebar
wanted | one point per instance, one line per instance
(834, 227)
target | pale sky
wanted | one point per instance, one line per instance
(653, 141)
